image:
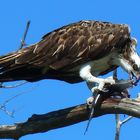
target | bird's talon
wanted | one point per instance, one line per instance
(90, 101)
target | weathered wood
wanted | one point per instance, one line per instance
(69, 116)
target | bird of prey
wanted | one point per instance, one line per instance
(77, 52)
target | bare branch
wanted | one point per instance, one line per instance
(4, 109)
(13, 86)
(25, 34)
(69, 116)
(118, 126)
(3, 106)
(126, 120)
(119, 123)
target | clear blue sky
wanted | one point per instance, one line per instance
(49, 95)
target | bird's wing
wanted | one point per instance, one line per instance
(74, 44)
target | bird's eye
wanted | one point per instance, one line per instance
(135, 67)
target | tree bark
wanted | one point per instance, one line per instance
(69, 116)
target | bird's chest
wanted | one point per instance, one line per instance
(102, 65)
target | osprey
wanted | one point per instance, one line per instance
(77, 52)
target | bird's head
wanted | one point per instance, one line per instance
(131, 60)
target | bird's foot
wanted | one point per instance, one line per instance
(102, 83)
(95, 101)
(90, 100)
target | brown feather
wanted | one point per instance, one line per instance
(66, 48)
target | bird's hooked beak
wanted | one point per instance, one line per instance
(134, 72)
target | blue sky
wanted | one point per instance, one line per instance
(49, 95)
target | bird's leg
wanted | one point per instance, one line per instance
(91, 86)
(85, 74)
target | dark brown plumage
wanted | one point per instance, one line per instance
(60, 53)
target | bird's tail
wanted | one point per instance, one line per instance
(8, 67)
(10, 70)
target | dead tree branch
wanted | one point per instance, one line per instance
(3, 106)
(69, 116)
(13, 86)
(25, 34)
(119, 123)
